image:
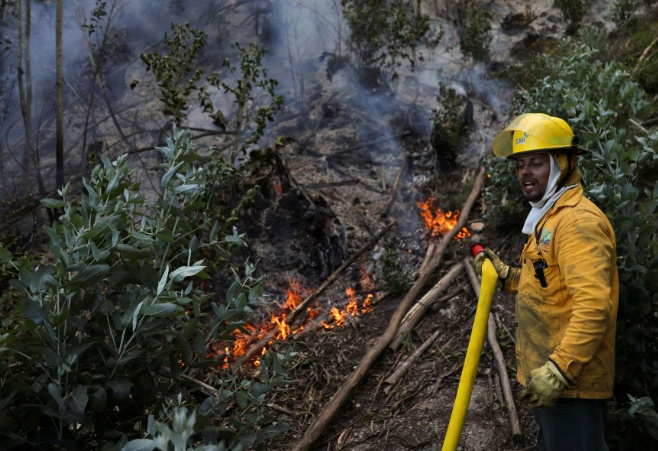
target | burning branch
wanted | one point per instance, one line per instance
(339, 398)
(258, 347)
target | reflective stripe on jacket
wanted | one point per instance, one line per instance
(572, 320)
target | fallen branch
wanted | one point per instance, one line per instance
(258, 347)
(394, 189)
(517, 435)
(418, 310)
(404, 367)
(644, 55)
(339, 398)
(429, 255)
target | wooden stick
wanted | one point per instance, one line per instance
(418, 310)
(343, 393)
(394, 189)
(429, 254)
(644, 55)
(517, 435)
(400, 371)
(258, 347)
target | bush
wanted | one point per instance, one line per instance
(603, 105)
(115, 323)
(573, 11)
(476, 34)
(383, 35)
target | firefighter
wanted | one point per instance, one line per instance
(567, 288)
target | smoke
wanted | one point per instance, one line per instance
(296, 33)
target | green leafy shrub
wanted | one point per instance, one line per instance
(253, 103)
(603, 104)
(573, 11)
(397, 280)
(635, 428)
(450, 130)
(636, 37)
(621, 11)
(173, 71)
(116, 321)
(382, 36)
(476, 35)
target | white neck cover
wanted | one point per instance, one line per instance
(551, 196)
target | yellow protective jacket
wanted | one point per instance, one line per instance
(572, 320)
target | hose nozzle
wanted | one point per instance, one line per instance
(476, 249)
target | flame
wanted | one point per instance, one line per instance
(352, 308)
(367, 304)
(438, 222)
(250, 334)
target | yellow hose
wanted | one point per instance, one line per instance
(472, 360)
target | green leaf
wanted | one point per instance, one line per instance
(233, 239)
(194, 244)
(98, 400)
(163, 281)
(41, 278)
(165, 178)
(120, 388)
(80, 397)
(5, 255)
(91, 275)
(54, 392)
(161, 310)
(122, 247)
(105, 306)
(185, 271)
(272, 431)
(165, 237)
(53, 203)
(140, 444)
(136, 314)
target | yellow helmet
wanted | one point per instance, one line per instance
(535, 132)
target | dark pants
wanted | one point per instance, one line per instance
(572, 425)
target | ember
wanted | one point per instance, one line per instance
(437, 222)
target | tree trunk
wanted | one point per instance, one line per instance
(59, 133)
(24, 70)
